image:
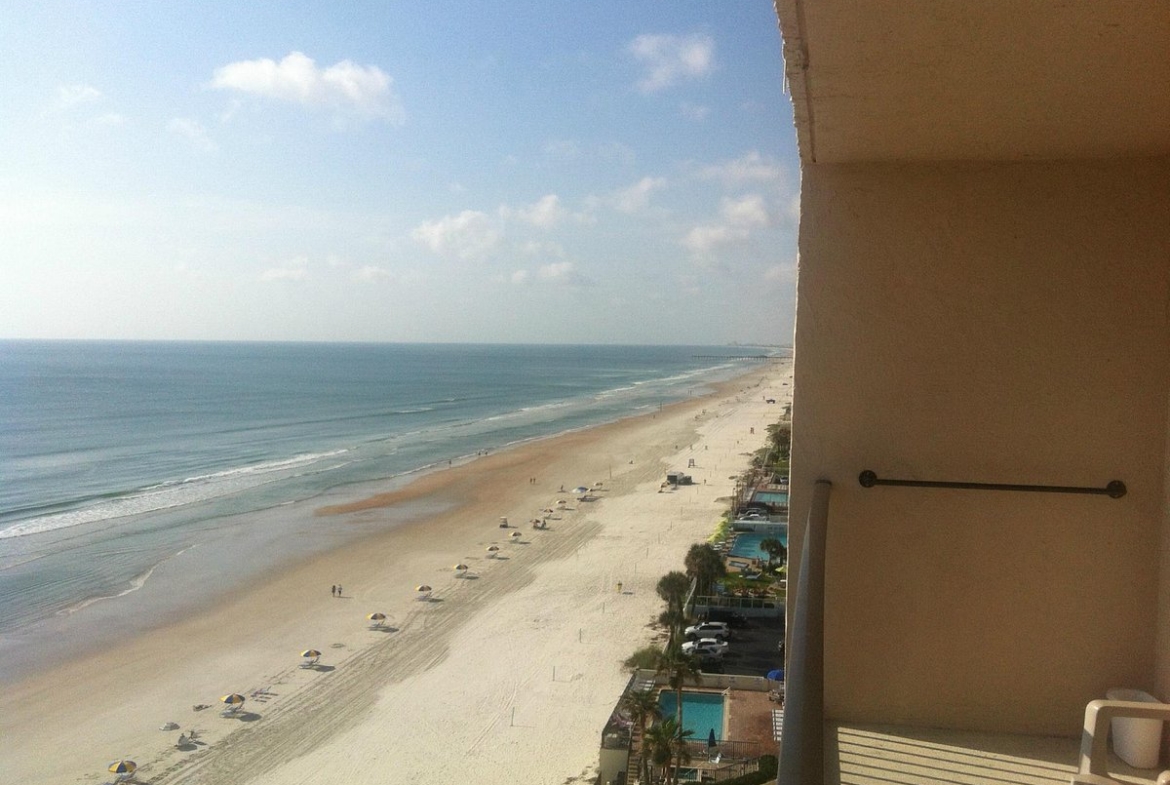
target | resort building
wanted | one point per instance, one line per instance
(983, 298)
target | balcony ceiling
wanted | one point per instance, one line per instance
(875, 80)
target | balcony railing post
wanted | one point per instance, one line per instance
(802, 754)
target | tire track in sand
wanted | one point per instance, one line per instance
(301, 721)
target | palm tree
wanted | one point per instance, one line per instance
(705, 565)
(673, 588)
(660, 742)
(674, 622)
(679, 668)
(775, 550)
(666, 741)
(644, 709)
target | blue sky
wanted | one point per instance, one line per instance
(597, 172)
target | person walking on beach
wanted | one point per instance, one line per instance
(333, 590)
(339, 590)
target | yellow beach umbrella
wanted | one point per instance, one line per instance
(123, 767)
(492, 550)
(311, 656)
(516, 535)
(422, 588)
(377, 616)
(235, 699)
(461, 568)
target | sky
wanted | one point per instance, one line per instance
(500, 171)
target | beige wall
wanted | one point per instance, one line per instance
(993, 323)
(1162, 675)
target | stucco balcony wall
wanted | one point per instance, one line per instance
(986, 322)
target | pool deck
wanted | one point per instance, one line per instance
(749, 718)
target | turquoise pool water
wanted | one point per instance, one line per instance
(702, 712)
(770, 497)
(747, 546)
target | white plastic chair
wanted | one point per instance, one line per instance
(1094, 759)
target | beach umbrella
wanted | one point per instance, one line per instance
(461, 568)
(580, 489)
(423, 587)
(711, 739)
(423, 592)
(123, 768)
(561, 502)
(311, 656)
(516, 536)
(234, 700)
(775, 675)
(491, 551)
(377, 619)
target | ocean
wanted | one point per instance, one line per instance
(117, 458)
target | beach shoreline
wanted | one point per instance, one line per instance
(491, 626)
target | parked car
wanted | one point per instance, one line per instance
(709, 629)
(706, 647)
(729, 617)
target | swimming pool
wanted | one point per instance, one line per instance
(771, 497)
(747, 546)
(702, 712)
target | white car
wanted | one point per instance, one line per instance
(709, 629)
(705, 647)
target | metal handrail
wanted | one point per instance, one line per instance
(802, 741)
(1115, 489)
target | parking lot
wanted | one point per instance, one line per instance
(753, 649)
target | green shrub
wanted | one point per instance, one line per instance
(767, 773)
(645, 658)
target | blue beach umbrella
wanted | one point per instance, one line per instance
(775, 675)
(235, 700)
(123, 767)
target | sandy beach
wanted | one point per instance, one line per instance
(506, 674)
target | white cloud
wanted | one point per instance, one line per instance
(782, 273)
(69, 96)
(468, 235)
(557, 270)
(671, 58)
(637, 196)
(750, 168)
(372, 273)
(554, 274)
(737, 219)
(562, 149)
(544, 212)
(285, 274)
(617, 151)
(106, 120)
(793, 211)
(344, 86)
(563, 273)
(193, 132)
(747, 211)
(546, 249)
(694, 111)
